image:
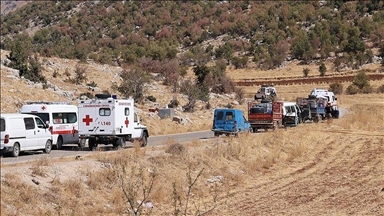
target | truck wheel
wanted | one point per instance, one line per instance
(48, 147)
(91, 144)
(81, 143)
(59, 144)
(216, 134)
(144, 140)
(16, 150)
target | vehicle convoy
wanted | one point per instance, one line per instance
(108, 120)
(229, 121)
(265, 115)
(60, 116)
(24, 132)
(265, 91)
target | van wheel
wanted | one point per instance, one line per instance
(48, 147)
(144, 140)
(16, 150)
(59, 144)
(82, 143)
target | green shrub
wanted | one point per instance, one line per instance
(336, 88)
(380, 89)
(322, 69)
(306, 71)
(361, 80)
(151, 98)
(352, 89)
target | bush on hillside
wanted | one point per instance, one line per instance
(306, 72)
(361, 80)
(380, 89)
(352, 89)
(336, 88)
(366, 90)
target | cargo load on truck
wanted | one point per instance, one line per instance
(108, 120)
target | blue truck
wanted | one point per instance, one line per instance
(230, 122)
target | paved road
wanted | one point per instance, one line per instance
(73, 150)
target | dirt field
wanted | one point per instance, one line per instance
(328, 168)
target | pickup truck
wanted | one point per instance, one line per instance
(265, 91)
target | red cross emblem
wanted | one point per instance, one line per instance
(126, 121)
(43, 107)
(87, 120)
(73, 131)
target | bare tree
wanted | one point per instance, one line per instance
(133, 83)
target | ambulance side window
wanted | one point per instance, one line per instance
(126, 111)
(104, 111)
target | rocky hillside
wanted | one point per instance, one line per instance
(16, 91)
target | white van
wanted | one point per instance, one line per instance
(62, 118)
(291, 114)
(23, 132)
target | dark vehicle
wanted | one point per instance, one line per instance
(229, 121)
(312, 108)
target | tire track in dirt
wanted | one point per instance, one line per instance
(330, 181)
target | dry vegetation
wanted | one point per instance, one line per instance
(314, 169)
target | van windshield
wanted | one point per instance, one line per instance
(2, 125)
(43, 116)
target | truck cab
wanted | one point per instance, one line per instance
(229, 121)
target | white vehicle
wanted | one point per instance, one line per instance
(265, 91)
(291, 114)
(107, 120)
(60, 116)
(23, 132)
(324, 93)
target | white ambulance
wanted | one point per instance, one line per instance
(108, 120)
(60, 116)
(324, 93)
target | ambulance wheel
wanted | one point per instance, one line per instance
(144, 140)
(16, 150)
(82, 143)
(91, 144)
(119, 143)
(59, 144)
(48, 147)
